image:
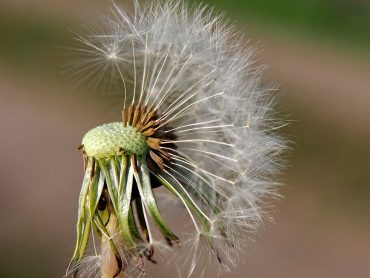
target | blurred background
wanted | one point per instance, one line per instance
(318, 51)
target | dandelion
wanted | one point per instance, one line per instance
(195, 121)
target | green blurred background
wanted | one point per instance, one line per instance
(318, 51)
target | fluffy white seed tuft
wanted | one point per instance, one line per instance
(197, 72)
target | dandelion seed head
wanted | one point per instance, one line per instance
(196, 121)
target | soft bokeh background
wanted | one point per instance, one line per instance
(318, 50)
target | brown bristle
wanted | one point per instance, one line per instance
(157, 159)
(142, 114)
(148, 125)
(124, 117)
(158, 122)
(130, 114)
(153, 143)
(136, 116)
(143, 117)
(166, 155)
(149, 116)
(148, 132)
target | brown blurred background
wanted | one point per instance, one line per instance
(318, 51)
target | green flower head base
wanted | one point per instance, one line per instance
(110, 139)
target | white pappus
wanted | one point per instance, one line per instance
(196, 122)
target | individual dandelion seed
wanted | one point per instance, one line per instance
(195, 121)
